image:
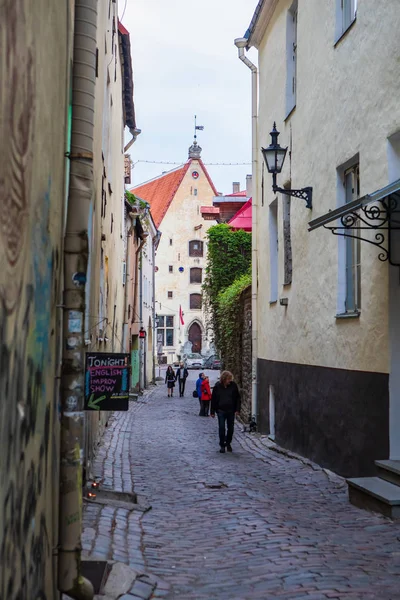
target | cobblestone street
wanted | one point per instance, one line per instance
(256, 523)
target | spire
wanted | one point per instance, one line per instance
(195, 150)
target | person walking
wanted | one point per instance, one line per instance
(198, 390)
(205, 396)
(170, 380)
(225, 402)
(181, 375)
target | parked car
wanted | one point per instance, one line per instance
(194, 361)
(212, 362)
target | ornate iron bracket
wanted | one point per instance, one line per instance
(303, 194)
(384, 218)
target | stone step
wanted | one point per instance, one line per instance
(389, 470)
(373, 493)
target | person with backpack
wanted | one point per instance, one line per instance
(205, 396)
(198, 390)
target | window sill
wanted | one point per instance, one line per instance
(289, 114)
(344, 33)
(273, 302)
(349, 315)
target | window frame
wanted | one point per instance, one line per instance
(165, 328)
(200, 254)
(170, 294)
(201, 275)
(192, 296)
(291, 58)
(346, 16)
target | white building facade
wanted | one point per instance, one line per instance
(328, 310)
(176, 199)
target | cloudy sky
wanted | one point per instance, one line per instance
(185, 63)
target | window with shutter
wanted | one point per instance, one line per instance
(195, 248)
(196, 275)
(195, 301)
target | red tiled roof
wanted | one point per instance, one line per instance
(242, 219)
(243, 193)
(160, 192)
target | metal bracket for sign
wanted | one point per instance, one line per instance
(383, 217)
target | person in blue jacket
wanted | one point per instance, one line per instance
(198, 390)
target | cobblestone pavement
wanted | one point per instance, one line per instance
(252, 524)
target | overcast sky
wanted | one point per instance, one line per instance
(185, 63)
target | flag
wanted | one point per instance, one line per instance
(200, 127)
(181, 315)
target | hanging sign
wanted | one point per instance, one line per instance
(106, 381)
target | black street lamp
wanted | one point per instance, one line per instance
(274, 157)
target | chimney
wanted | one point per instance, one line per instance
(249, 186)
(235, 187)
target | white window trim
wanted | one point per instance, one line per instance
(341, 27)
(291, 57)
(273, 251)
(341, 310)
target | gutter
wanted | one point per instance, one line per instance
(241, 44)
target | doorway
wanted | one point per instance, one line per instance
(195, 337)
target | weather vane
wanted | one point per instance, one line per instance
(197, 127)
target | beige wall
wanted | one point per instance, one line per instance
(33, 113)
(347, 103)
(178, 224)
(105, 316)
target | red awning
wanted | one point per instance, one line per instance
(242, 219)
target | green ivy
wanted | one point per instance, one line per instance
(227, 271)
(130, 197)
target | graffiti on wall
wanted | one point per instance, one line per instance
(29, 280)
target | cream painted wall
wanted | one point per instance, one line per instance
(347, 103)
(147, 270)
(179, 225)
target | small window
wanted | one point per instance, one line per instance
(196, 275)
(165, 330)
(195, 248)
(170, 295)
(195, 301)
(353, 246)
(195, 191)
(170, 241)
(171, 269)
(346, 12)
(291, 58)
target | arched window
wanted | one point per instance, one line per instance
(196, 275)
(195, 301)
(195, 248)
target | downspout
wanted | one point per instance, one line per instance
(134, 133)
(76, 248)
(241, 44)
(153, 296)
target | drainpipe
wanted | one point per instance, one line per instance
(241, 44)
(76, 248)
(134, 133)
(142, 366)
(153, 296)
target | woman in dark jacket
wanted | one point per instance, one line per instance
(170, 380)
(225, 401)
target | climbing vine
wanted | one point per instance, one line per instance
(228, 266)
(230, 322)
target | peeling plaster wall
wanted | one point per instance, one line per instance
(347, 103)
(178, 224)
(33, 120)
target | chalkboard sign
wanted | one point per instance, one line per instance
(106, 381)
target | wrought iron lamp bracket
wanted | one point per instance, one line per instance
(303, 194)
(377, 217)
